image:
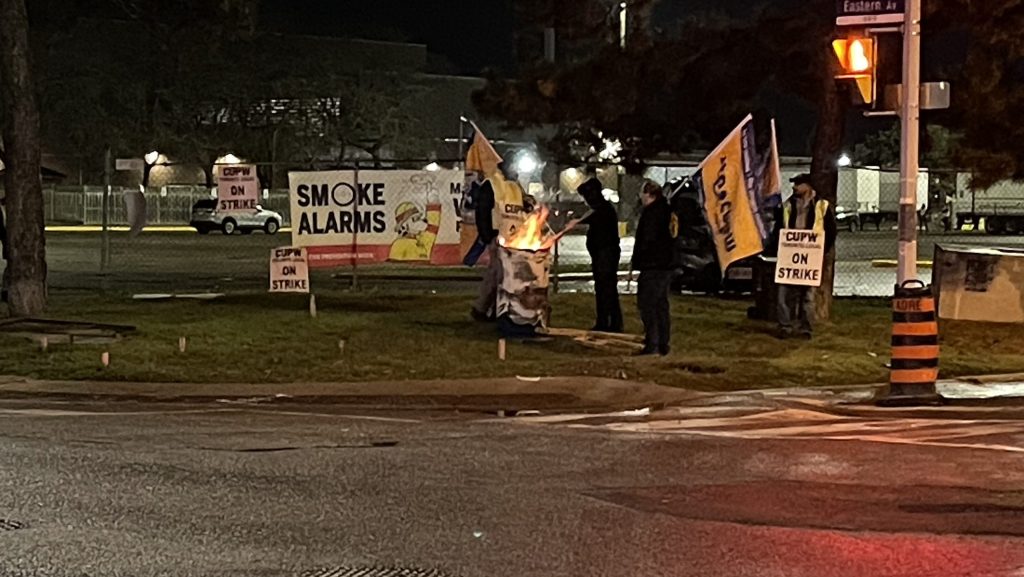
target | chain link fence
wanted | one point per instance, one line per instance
(170, 256)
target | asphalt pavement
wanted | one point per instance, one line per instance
(103, 488)
(184, 260)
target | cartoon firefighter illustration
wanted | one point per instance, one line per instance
(417, 232)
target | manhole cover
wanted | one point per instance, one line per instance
(374, 572)
(9, 525)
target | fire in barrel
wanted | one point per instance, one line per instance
(523, 306)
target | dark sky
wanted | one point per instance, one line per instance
(473, 35)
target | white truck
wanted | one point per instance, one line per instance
(1000, 207)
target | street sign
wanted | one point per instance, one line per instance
(868, 12)
(130, 164)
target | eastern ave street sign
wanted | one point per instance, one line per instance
(860, 12)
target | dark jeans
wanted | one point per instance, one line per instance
(796, 305)
(652, 298)
(605, 265)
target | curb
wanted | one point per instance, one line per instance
(888, 263)
(484, 395)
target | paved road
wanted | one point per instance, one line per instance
(228, 489)
(185, 260)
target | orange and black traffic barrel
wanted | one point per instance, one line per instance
(915, 342)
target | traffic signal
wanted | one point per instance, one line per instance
(857, 59)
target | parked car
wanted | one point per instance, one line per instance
(206, 217)
(847, 219)
(696, 261)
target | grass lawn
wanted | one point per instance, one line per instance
(414, 335)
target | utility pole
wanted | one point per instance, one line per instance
(105, 217)
(910, 116)
(462, 138)
(623, 25)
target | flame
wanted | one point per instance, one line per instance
(530, 235)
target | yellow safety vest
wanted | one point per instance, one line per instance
(820, 210)
(509, 211)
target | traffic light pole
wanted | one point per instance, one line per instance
(910, 115)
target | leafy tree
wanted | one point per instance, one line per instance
(938, 148)
(674, 92)
(988, 93)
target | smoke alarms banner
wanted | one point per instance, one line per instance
(344, 216)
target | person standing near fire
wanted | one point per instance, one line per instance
(500, 211)
(603, 246)
(652, 256)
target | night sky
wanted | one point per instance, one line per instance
(472, 35)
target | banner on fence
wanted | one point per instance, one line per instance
(289, 271)
(801, 255)
(733, 182)
(345, 216)
(238, 187)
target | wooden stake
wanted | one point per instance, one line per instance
(182, 344)
(501, 349)
(312, 305)
(105, 359)
(341, 347)
(44, 343)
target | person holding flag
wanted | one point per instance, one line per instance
(500, 210)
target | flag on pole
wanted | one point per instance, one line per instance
(481, 156)
(732, 191)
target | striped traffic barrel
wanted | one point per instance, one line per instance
(915, 341)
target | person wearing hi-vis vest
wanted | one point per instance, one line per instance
(802, 211)
(500, 211)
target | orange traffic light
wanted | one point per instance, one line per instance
(857, 62)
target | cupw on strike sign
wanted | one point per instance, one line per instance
(800, 257)
(238, 188)
(289, 272)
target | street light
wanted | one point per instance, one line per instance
(432, 167)
(152, 157)
(844, 160)
(611, 150)
(527, 163)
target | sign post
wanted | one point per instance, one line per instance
(800, 258)
(910, 114)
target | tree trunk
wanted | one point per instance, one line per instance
(24, 194)
(828, 141)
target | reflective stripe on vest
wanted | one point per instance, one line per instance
(820, 209)
(508, 212)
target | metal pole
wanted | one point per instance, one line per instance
(104, 218)
(462, 152)
(910, 114)
(355, 230)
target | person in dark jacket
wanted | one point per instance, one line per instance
(802, 211)
(603, 246)
(652, 256)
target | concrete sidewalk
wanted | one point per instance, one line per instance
(507, 394)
